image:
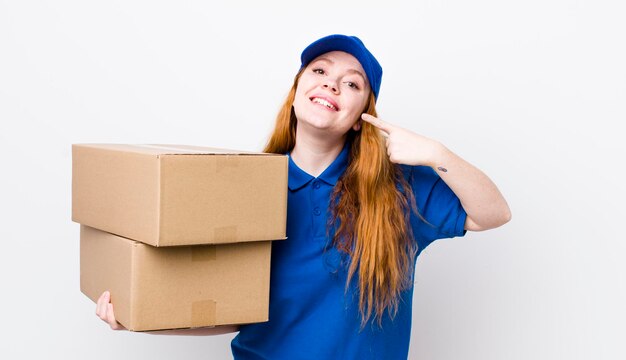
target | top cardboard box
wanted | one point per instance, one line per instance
(169, 195)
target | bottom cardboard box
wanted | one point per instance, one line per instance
(176, 287)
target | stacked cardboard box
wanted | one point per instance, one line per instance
(180, 235)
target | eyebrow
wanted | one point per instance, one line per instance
(355, 71)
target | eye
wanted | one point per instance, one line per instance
(319, 71)
(352, 85)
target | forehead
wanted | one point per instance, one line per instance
(341, 58)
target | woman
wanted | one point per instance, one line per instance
(365, 198)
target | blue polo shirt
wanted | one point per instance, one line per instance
(311, 316)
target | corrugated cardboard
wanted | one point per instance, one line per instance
(176, 287)
(166, 195)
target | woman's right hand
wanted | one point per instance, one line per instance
(104, 310)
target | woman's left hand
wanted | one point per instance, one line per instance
(404, 146)
(484, 204)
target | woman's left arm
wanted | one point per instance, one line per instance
(485, 206)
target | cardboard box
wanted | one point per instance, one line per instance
(166, 195)
(176, 287)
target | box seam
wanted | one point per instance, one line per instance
(159, 195)
(133, 281)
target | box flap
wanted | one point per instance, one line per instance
(173, 149)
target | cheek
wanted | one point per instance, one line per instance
(365, 100)
(358, 106)
(298, 103)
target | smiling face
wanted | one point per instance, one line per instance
(331, 94)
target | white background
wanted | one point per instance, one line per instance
(532, 92)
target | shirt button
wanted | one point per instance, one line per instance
(316, 185)
(316, 211)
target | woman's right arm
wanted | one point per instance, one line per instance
(104, 310)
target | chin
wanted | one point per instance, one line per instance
(317, 124)
(314, 119)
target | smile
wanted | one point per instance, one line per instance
(324, 102)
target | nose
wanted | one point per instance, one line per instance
(331, 85)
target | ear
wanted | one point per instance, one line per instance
(357, 125)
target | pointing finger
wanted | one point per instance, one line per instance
(381, 125)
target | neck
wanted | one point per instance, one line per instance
(314, 154)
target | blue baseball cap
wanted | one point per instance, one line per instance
(353, 46)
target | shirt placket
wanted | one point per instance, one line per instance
(318, 208)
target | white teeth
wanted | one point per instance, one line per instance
(324, 102)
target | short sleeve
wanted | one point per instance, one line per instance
(442, 215)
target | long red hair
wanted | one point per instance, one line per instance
(370, 208)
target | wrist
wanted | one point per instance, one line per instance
(439, 156)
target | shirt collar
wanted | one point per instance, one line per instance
(337, 167)
(299, 178)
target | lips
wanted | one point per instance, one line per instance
(324, 101)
